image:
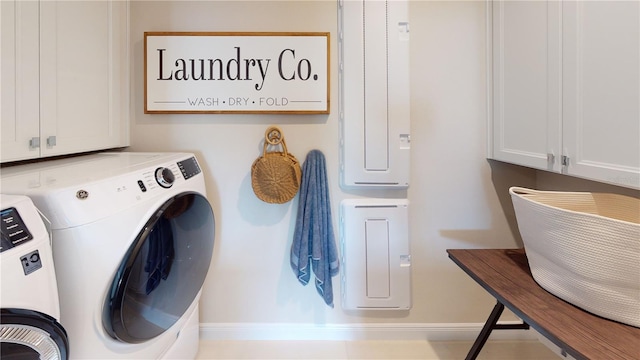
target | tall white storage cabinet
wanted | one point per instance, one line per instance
(376, 262)
(65, 77)
(566, 87)
(374, 96)
(375, 152)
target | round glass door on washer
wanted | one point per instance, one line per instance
(163, 270)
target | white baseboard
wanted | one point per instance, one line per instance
(346, 332)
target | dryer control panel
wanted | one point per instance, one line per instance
(14, 231)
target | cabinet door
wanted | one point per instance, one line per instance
(83, 75)
(601, 75)
(526, 83)
(19, 98)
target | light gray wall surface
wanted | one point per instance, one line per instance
(457, 196)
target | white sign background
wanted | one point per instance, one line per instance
(215, 72)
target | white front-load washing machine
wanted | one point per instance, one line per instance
(133, 237)
(29, 327)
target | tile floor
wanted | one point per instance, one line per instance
(429, 350)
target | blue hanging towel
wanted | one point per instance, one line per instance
(313, 237)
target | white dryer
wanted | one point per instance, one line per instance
(29, 327)
(133, 238)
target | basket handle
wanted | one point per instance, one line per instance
(515, 190)
(273, 136)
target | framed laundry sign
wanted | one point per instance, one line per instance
(236, 72)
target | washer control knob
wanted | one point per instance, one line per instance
(165, 177)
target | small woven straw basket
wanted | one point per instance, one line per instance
(584, 248)
(276, 175)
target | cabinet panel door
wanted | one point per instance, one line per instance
(601, 75)
(19, 79)
(83, 75)
(526, 82)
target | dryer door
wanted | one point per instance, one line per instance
(28, 334)
(163, 270)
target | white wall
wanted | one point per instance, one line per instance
(454, 193)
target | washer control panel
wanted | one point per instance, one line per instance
(14, 231)
(166, 176)
(189, 167)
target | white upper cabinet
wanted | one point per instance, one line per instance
(67, 80)
(565, 91)
(601, 90)
(526, 83)
(19, 80)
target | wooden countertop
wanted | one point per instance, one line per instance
(505, 274)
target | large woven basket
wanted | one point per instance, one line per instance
(584, 248)
(276, 175)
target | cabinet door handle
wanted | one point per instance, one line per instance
(551, 158)
(565, 160)
(51, 141)
(34, 143)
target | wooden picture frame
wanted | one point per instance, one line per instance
(236, 72)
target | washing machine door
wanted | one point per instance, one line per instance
(28, 334)
(163, 270)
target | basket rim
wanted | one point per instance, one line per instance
(513, 193)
